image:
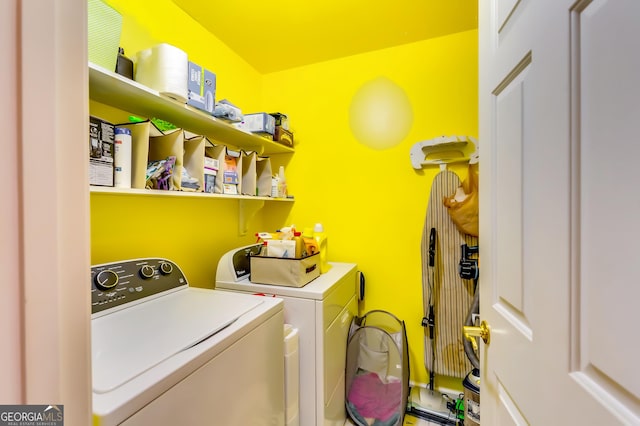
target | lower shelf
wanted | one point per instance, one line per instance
(248, 206)
(159, 193)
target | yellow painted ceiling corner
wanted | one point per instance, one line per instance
(288, 34)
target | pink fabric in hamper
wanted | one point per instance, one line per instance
(373, 398)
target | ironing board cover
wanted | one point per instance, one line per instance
(452, 296)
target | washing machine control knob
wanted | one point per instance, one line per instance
(146, 272)
(106, 279)
(166, 268)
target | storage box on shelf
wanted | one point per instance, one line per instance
(101, 152)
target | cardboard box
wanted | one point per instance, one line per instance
(283, 136)
(284, 271)
(201, 88)
(260, 122)
(210, 181)
(211, 166)
(101, 145)
(281, 120)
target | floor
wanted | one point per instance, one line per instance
(409, 420)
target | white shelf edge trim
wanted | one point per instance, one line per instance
(161, 193)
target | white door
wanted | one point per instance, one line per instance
(560, 202)
(45, 309)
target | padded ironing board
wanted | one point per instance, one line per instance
(452, 296)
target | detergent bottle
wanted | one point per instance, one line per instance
(300, 248)
(321, 238)
(310, 244)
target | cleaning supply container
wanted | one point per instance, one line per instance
(291, 376)
(471, 384)
(321, 238)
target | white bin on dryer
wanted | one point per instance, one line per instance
(291, 376)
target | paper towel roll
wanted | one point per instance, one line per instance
(164, 68)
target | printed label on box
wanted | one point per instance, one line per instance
(101, 146)
(211, 163)
(230, 176)
(201, 88)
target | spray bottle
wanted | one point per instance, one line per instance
(282, 183)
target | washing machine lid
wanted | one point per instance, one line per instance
(131, 341)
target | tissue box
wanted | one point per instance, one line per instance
(201, 88)
(260, 122)
(284, 271)
(101, 140)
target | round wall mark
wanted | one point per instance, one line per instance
(380, 114)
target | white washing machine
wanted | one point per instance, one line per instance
(164, 353)
(321, 311)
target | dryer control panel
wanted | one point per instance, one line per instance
(119, 283)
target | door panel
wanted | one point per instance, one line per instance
(505, 10)
(509, 147)
(558, 211)
(607, 96)
(508, 413)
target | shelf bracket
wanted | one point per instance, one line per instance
(444, 150)
(247, 209)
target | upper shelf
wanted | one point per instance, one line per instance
(120, 92)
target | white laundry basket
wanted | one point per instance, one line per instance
(291, 376)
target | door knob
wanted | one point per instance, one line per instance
(471, 332)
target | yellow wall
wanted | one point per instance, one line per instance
(149, 22)
(371, 202)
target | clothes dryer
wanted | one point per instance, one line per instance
(321, 311)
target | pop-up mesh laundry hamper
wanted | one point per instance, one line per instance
(377, 374)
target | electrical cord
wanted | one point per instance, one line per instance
(474, 309)
(432, 325)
